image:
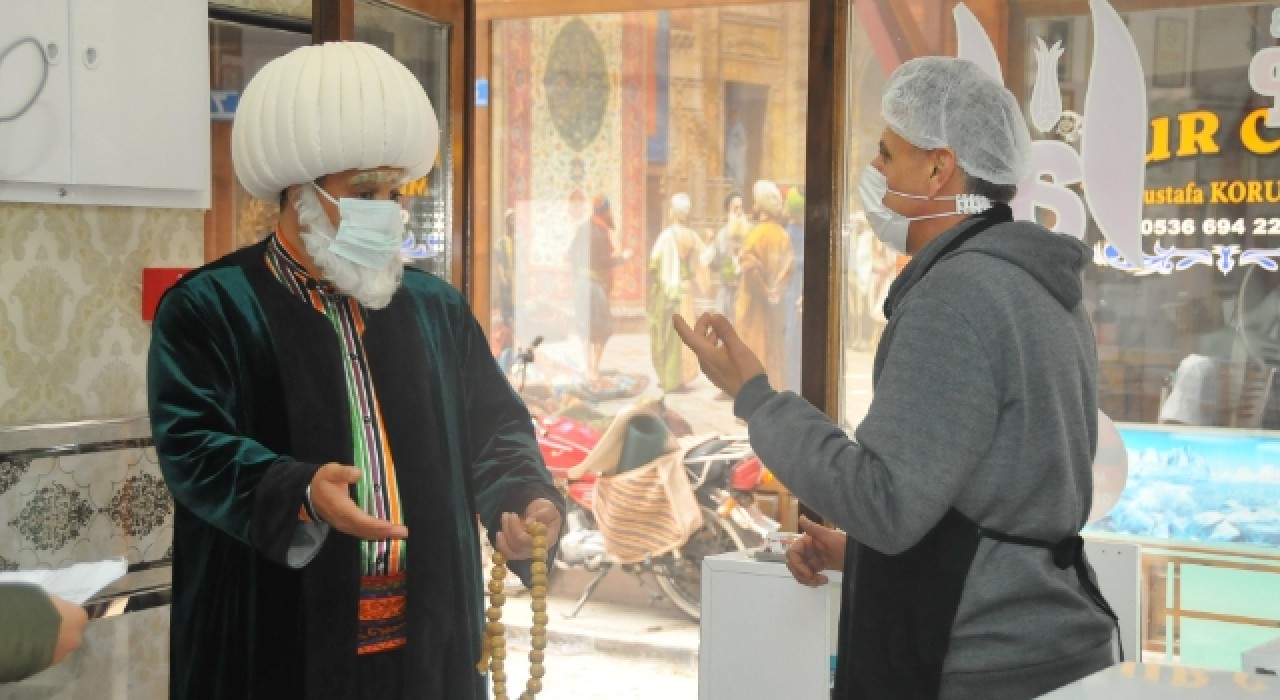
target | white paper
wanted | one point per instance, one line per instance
(76, 583)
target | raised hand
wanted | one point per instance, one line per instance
(723, 357)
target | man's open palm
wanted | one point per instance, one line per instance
(331, 498)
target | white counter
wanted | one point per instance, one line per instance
(1153, 682)
(763, 634)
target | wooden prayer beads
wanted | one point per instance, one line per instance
(493, 654)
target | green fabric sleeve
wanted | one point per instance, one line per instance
(29, 634)
(507, 469)
(195, 391)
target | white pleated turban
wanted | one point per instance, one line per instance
(319, 110)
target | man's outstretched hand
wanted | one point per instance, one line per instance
(724, 358)
(331, 497)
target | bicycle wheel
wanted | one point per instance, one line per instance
(679, 574)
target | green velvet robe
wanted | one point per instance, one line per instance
(247, 400)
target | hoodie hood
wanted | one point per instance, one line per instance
(1054, 260)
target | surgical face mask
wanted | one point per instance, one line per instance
(890, 226)
(370, 231)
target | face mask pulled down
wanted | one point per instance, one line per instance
(365, 262)
(890, 226)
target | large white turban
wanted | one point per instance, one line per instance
(319, 110)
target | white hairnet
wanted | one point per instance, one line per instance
(681, 204)
(943, 102)
(319, 110)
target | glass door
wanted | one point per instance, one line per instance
(642, 164)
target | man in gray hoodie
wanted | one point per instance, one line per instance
(962, 495)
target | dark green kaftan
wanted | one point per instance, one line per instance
(247, 400)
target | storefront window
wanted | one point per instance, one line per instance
(629, 152)
(422, 45)
(236, 53)
(1183, 286)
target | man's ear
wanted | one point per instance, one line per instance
(943, 169)
(289, 197)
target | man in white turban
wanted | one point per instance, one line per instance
(766, 261)
(673, 270)
(316, 408)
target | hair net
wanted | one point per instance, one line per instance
(942, 102)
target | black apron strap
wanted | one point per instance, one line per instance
(897, 612)
(1067, 553)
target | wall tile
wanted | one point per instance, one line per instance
(57, 511)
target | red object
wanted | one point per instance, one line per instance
(155, 282)
(565, 443)
(746, 476)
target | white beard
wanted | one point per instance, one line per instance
(372, 288)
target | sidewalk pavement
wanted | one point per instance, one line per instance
(605, 627)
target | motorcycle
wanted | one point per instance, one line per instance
(722, 471)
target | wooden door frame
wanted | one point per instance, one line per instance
(825, 167)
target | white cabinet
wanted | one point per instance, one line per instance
(763, 634)
(36, 147)
(123, 116)
(1118, 568)
(766, 636)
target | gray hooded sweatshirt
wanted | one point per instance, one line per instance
(985, 401)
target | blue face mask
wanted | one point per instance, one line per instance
(370, 231)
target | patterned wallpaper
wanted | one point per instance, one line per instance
(72, 340)
(73, 346)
